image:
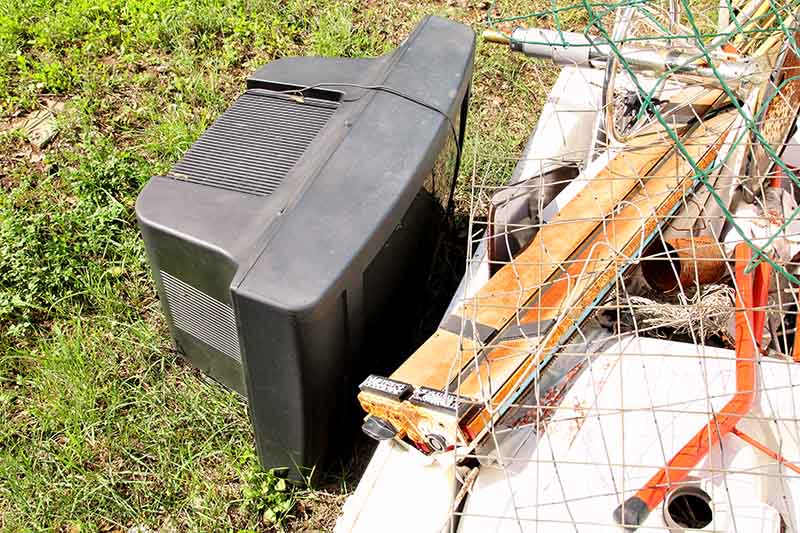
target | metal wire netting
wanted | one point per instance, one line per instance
(613, 353)
(623, 352)
(747, 34)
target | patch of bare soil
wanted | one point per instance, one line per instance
(36, 130)
(316, 511)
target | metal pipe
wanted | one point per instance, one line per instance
(681, 262)
(752, 292)
(571, 48)
(766, 450)
(496, 37)
(740, 21)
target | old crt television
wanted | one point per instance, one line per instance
(285, 242)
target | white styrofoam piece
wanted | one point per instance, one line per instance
(579, 460)
(564, 131)
(476, 275)
(401, 491)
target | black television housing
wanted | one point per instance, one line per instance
(289, 239)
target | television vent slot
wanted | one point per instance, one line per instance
(201, 316)
(255, 143)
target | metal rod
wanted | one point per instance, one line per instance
(571, 48)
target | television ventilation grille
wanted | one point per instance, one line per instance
(254, 144)
(201, 316)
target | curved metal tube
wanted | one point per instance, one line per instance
(751, 296)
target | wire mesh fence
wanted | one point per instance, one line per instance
(623, 350)
(628, 324)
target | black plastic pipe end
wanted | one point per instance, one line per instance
(631, 513)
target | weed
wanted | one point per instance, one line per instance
(103, 427)
(266, 493)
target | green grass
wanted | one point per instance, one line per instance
(103, 427)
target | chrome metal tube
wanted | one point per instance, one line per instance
(570, 48)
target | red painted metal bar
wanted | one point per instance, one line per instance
(766, 450)
(751, 297)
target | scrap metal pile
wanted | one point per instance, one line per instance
(623, 351)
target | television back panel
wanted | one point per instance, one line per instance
(291, 240)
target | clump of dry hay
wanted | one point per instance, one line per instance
(701, 314)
